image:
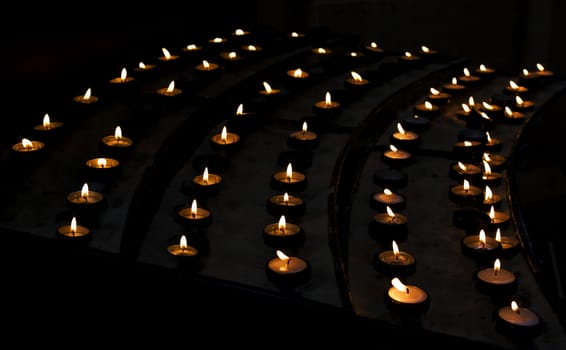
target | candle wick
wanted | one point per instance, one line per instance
(396, 256)
(282, 230)
(495, 272)
(288, 261)
(407, 289)
(194, 215)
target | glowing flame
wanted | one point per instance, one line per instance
(353, 54)
(395, 248)
(540, 67)
(485, 116)
(205, 64)
(286, 197)
(498, 235)
(321, 50)
(467, 72)
(267, 87)
(305, 127)
(84, 191)
(373, 45)
(297, 73)
(224, 134)
(183, 242)
(471, 101)
(515, 307)
(356, 76)
(508, 111)
(488, 195)
(87, 94)
(387, 192)
(118, 133)
(525, 72)
(408, 54)
(205, 175)
(454, 81)
(487, 106)
(282, 255)
(252, 48)
(123, 74)
(102, 162)
(425, 49)
(434, 91)
(428, 105)
(239, 32)
(390, 212)
(492, 213)
(466, 108)
(295, 34)
(482, 237)
(393, 148)
(519, 100)
(46, 121)
(171, 87)
(513, 85)
(73, 225)
(289, 172)
(488, 136)
(483, 68)
(282, 224)
(191, 47)
(496, 266)
(327, 99)
(486, 157)
(194, 208)
(466, 185)
(217, 40)
(400, 129)
(240, 109)
(166, 53)
(462, 166)
(141, 65)
(396, 282)
(467, 144)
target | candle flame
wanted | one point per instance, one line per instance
(485, 116)
(515, 307)
(467, 72)
(353, 54)
(393, 148)
(239, 32)
(487, 106)
(356, 76)
(497, 266)
(183, 242)
(297, 73)
(232, 55)
(486, 157)
(286, 197)
(492, 213)
(373, 45)
(519, 100)
(408, 54)
(282, 224)
(390, 212)
(123, 74)
(425, 49)
(482, 237)
(267, 87)
(73, 225)
(141, 65)
(434, 91)
(482, 68)
(102, 162)
(84, 191)
(525, 72)
(217, 40)
(466, 108)
(488, 136)
(395, 248)
(194, 207)
(166, 53)
(540, 67)
(328, 98)
(400, 129)
(321, 50)
(289, 172)
(428, 105)
(205, 64)
(171, 86)
(118, 133)
(508, 111)
(281, 255)
(205, 175)
(513, 85)
(295, 34)
(46, 121)
(466, 185)
(191, 47)
(87, 94)
(305, 127)
(488, 194)
(240, 109)
(462, 166)
(471, 101)
(387, 192)
(498, 235)
(252, 48)
(224, 134)
(467, 144)
(396, 282)
(454, 81)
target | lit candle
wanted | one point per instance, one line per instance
(303, 139)
(287, 270)
(467, 150)
(396, 157)
(490, 199)
(193, 216)
(102, 168)
(427, 53)
(415, 123)
(283, 234)
(509, 244)
(74, 231)
(491, 110)
(240, 32)
(183, 250)
(289, 180)
(515, 89)
(492, 143)
(485, 72)
(438, 96)
(252, 49)
(123, 78)
(498, 219)
(465, 112)
(268, 90)
(144, 67)
(460, 171)
(427, 109)
(192, 48)
(217, 40)
(523, 105)
(495, 160)
(118, 144)
(406, 298)
(465, 193)
(495, 281)
(87, 98)
(514, 117)
(296, 35)
(48, 128)
(322, 51)
(327, 107)
(468, 79)
(297, 74)
(286, 204)
(355, 81)
(404, 139)
(225, 141)
(207, 184)
(167, 56)
(381, 200)
(528, 79)
(394, 262)
(517, 320)
(27, 146)
(206, 68)
(231, 56)
(356, 55)
(543, 72)
(454, 87)
(388, 226)
(490, 178)
(409, 59)
(374, 48)
(86, 201)
(170, 90)
(480, 246)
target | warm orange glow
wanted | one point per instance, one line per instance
(525, 72)
(205, 175)
(286, 198)
(282, 224)
(387, 192)
(267, 88)
(305, 127)
(482, 237)
(487, 106)
(397, 284)
(282, 255)
(191, 47)
(408, 54)
(118, 133)
(26, 143)
(171, 87)
(84, 191)
(321, 50)
(466, 108)
(141, 65)
(428, 105)
(454, 81)
(482, 68)
(488, 195)
(390, 212)
(123, 74)
(467, 144)
(540, 67)
(289, 172)
(498, 235)
(46, 121)
(183, 244)
(217, 40)
(239, 32)
(395, 248)
(205, 64)
(462, 166)
(467, 72)
(297, 73)
(519, 100)
(240, 109)
(515, 306)
(166, 53)
(496, 266)
(513, 85)
(492, 213)
(353, 54)
(87, 95)
(252, 48)
(328, 99)
(434, 91)
(425, 49)
(471, 101)
(373, 45)
(295, 34)
(466, 185)
(224, 134)
(400, 129)
(194, 208)
(393, 148)
(356, 76)
(74, 225)
(101, 162)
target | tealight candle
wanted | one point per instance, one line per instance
(394, 262)
(356, 83)
(296, 35)
(409, 59)
(454, 87)
(192, 48)
(396, 157)
(297, 74)
(122, 79)
(496, 280)
(374, 49)
(225, 141)
(498, 219)
(381, 200)
(492, 110)
(303, 139)
(480, 246)
(427, 53)
(217, 40)
(515, 89)
(144, 68)
(415, 123)
(465, 193)
(492, 143)
(87, 98)
(517, 320)
(439, 97)
(86, 203)
(287, 270)
(467, 150)
(388, 226)
(490, 178)
(465, 112)
(514, 117)
(468, 79)
(485, 72)
(193, 216)
(327, 108)
(543, 73)
(102, 168)
(490, 199)
(286, 204)
(27, 146)
(509, 244)
(252, 49)
(269, 92)
(528, 79)
(523, 105)
(406, 298)
(167, 56)
(427, 109)
(207, 184)
(283, 234)
(323, 51)
(495, 160)
(118, 144)
(240, 32)
(170, 90)
(404, 139)
(183, 251)
(289, 180)
(48, 129)
(231, 57)
(74, 231)
(206, 68)
(460, 171)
